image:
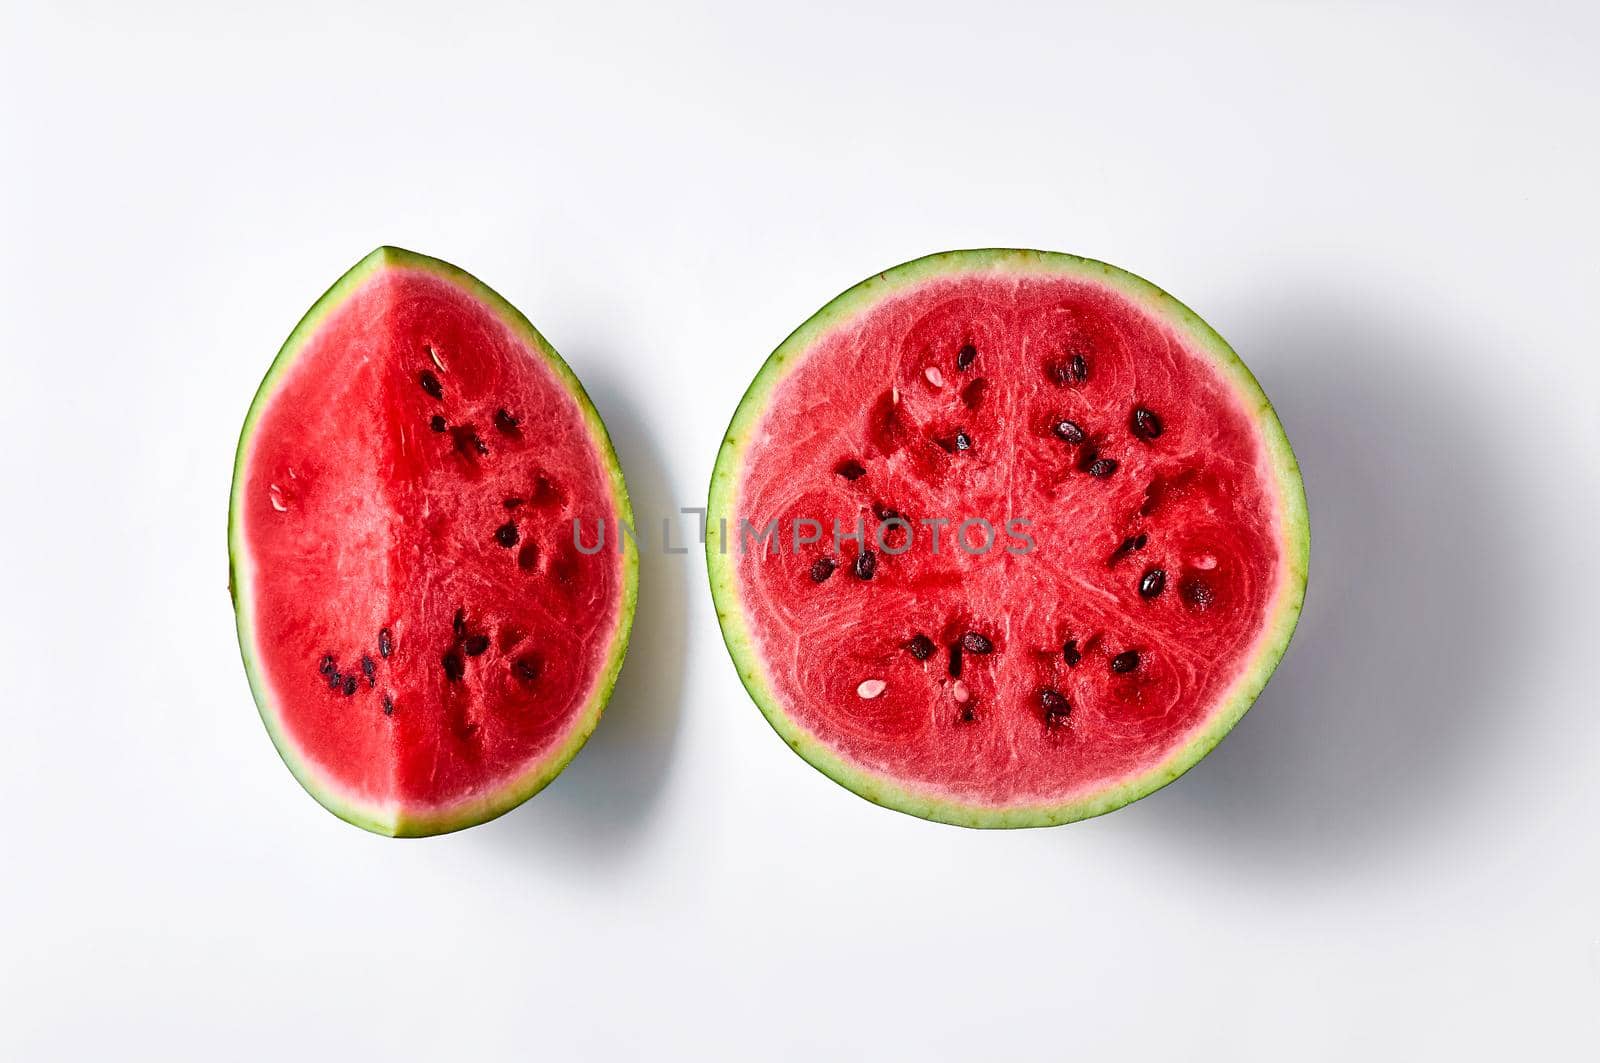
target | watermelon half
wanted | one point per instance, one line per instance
(427, 644)
(1146, 538)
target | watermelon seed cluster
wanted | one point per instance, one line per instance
(1143, 423)
(465, 437)
(467, 643)
(347, 683)
(470, 445)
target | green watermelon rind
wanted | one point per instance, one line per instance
(483, 807)
(890, 793)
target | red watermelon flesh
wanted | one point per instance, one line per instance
(1017, 686)
(426, 643)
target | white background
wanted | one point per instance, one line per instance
(1389, 212)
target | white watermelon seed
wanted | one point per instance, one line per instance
(871, 688)
(935, 377)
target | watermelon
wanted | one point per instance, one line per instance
(427, 643)
(1005, 538)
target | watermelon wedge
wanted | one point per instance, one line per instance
(1082, 539)
(427, 645)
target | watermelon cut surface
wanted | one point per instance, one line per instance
(425, 642)
(1147, 542)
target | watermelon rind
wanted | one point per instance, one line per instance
(394, 820)
(721, 562)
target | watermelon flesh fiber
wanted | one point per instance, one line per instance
(946, 399)
(426, 642)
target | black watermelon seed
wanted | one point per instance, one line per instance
(963, 441)
(328, 665)
(965, 356)
(1126, 661)
(385, 643)
(1100, 468)
(822, 568)
(506, 535)
(850, 469)
(1069, 431)
(430, 383)
(349, 685)
(1153, 583)
(1140, 540)
(436, 422)
(512, 503)
(1056, 706)
(454, 665)
(335, 681)
(388, 705)
(1080, 368)
(475, 645)
(528, 556)
(1145, 424)
(921, 647)
(1070, 654)
(458, 623)
(369, 668)
(973, 642)
(506, 422)
(866, 564)
(955, 661)
(525, 668)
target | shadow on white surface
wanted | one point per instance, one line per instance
(1394, 690)
(603, 800)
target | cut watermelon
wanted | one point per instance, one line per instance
(426, 644)
(1144, 513)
